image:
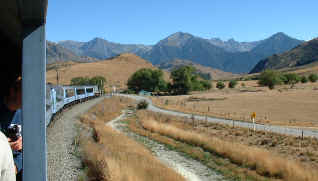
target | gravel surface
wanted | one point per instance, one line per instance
(260, 127)
(190, 169)
(63, 165)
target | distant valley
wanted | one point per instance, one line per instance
(228, 56)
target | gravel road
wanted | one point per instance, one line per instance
(260, 127)
(190, 169)
(62, 164)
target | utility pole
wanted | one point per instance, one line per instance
(57, 76)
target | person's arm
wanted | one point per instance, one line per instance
(17, 157)
(6, 161)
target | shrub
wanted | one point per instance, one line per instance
(304, 79)
(232, 84)
(290, 79)
(243, 84)
(220, 85)
(313, 77)
(97, 80)
(80, 81)
(270, 78)
(128, 91)
(142, 104)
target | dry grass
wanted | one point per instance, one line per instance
(283, 106)
(264, 162)
(111, 156)
(295, 148)
(116, 71)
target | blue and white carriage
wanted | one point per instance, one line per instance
(59, 97)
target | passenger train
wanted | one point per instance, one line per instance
(60, 97)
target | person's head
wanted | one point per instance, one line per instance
(10, 70)
(13, 95)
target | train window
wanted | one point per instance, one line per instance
(80, 91)
(89, 90)
(69, 92)
(59, 93)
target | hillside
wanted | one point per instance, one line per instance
(56, 53)
(304, 54)
(215, 74)
(116, 70)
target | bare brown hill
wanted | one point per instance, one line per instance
(116, 70)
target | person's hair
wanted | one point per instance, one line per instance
(10, 64)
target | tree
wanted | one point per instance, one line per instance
(270, 78)
(182, 80)
(148, 80)
(313, 77)
(232, 84)
(99, 81)
(80, 81)
(206, 84)
(291, 79)
(220, 85)
(304, 79)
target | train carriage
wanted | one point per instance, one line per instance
(90, 91)
(80, 93)
(69, 95)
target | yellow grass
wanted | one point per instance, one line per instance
(264, 162)
(283, 106)
(111, 156)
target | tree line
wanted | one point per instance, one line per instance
(97, 80)
(184, 79)
(271, 78)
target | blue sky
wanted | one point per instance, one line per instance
(148, 21)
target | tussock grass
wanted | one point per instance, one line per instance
(262, 161)
(111, 156)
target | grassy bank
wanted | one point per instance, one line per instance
(111, 156)
(282, 106)
(263, 162)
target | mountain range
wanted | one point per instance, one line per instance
(229, 56)
(303, 54)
